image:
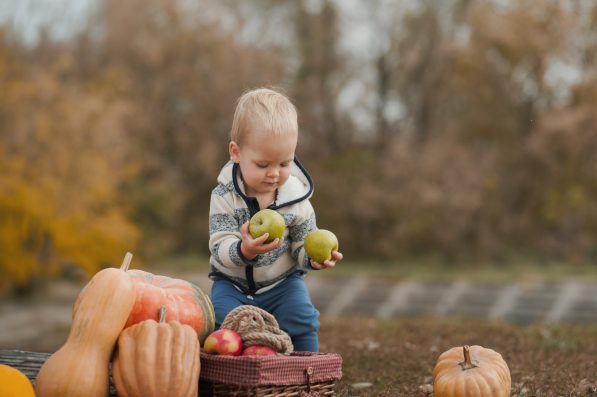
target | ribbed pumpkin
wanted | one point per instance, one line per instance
(14, 383)
(184, 301)
(80, 367)
(156, 359)
(471, 372)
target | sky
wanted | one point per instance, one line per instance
(360, 40)
(61, 17)
(64, 17)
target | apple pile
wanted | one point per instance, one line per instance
(228, 342)
(319, 244)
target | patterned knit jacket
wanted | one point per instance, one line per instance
(230, 208)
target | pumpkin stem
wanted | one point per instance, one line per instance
(467, 363)
(162, 314)
(126, 262)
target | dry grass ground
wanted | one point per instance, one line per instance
(397, 357)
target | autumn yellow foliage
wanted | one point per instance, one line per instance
(459, 130)
(40, 233)
(61, 166)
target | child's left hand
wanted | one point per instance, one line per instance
(336, 257)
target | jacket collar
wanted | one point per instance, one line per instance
(297, 188)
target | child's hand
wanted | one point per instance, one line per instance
(336, 257)
(251, 247)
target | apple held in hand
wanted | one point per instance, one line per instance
(319, 245)
(267, 221)
(259, 351)
(223, 341)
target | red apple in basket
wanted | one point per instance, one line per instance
(223, 341)
(256, 350)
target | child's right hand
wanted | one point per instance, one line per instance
(251, 247)
(336, 257)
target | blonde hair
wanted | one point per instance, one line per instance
(264, 110)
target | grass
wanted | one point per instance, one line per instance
(434, 271)
(422, 270)
(397, 357)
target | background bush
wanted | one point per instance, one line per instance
(462, 130)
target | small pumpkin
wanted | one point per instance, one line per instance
(184, 301)
(14, 383)
(156, 359)
(472, 371)
(80, 367)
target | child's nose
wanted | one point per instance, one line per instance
(273, 171)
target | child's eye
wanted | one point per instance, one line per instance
(285, 164)
(262, 165)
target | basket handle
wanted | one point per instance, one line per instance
(309, 373)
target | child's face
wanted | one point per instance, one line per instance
(265, 161)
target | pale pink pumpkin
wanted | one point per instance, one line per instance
(184, 302)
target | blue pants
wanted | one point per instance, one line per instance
(288, 302)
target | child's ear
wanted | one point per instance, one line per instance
(234, 151)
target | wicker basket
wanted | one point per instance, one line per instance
(296, 375)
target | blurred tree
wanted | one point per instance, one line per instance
(62, 158)
(318, 78)
(463, 130)
(185, 73)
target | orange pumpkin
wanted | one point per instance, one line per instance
(80, 368)
(157, 359)
(471, 372)
(14, 383)
(184, 302)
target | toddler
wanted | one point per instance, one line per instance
(264, 173)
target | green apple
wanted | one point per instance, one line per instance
(319, 245)
(267, 221)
